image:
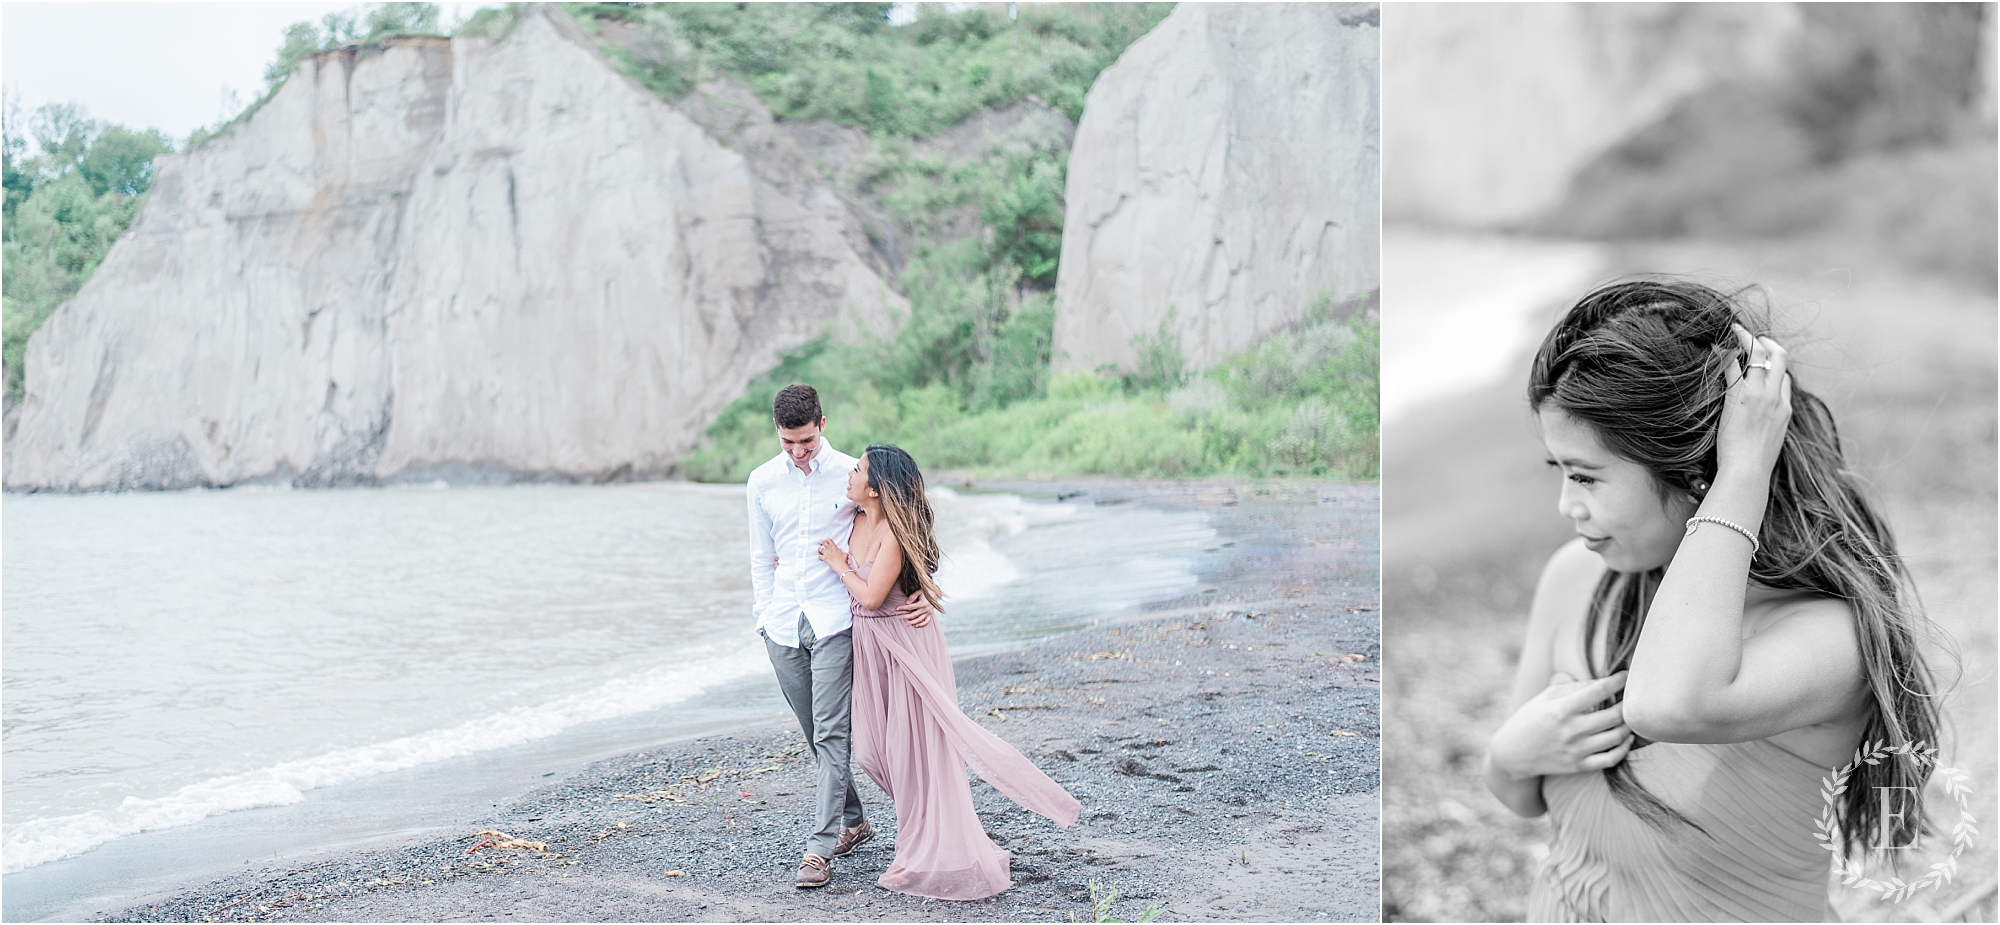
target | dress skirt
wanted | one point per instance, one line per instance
(911, 738)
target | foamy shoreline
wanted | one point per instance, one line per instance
(1170, 758)
(108, 793)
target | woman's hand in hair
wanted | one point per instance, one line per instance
(1562, 731)
(1756, 410)
(1720, 657)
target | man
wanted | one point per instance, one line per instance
(796, 500)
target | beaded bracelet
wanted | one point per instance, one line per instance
(1699, 518)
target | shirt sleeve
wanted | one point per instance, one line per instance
(843, 525)
(763, 550)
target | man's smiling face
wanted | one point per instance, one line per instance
(801, 442)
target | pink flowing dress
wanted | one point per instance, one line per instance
(911, 738)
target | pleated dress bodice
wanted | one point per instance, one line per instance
(1754, 860)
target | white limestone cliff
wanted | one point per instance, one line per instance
(463, 258)
(1225, 175)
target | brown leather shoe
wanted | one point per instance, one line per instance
(813, 871)
(853, 838)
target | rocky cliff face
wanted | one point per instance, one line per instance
(827, 166)
(462, 258)
(1225, 174)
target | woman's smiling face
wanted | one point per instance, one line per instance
(1613, 502)
(857, 481)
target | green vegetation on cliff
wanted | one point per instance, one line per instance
(351, 27)
(965, 382)
(1301, 403)
(844, 61)
(65, 205)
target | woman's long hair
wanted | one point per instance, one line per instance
(894, 476)
(1642, 362)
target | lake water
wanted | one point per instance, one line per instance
(175, 661)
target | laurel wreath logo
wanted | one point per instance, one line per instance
(1894, 889)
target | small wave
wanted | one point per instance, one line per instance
(974, 569)
(968, 524)
(39, 841)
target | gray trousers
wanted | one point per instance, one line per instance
(817, 679)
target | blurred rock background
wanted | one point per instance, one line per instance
(1636, 121)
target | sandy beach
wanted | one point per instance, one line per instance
(1225, 746)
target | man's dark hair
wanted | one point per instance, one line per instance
(796, 406)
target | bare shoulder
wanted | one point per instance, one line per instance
(886, 551)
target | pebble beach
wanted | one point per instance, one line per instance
(1225, 745)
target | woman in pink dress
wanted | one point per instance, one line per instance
(909, 734)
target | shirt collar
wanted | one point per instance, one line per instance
(812, 463)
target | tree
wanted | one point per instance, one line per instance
(348, 27)
(65, 206)
(13, 145)
(120, 161)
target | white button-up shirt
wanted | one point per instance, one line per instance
(790, 512)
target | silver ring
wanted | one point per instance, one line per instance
(1765, 366)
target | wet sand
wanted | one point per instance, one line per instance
(1225, 746)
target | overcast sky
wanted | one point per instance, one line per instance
(150, 65)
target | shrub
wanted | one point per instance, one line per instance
(1320, 420)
